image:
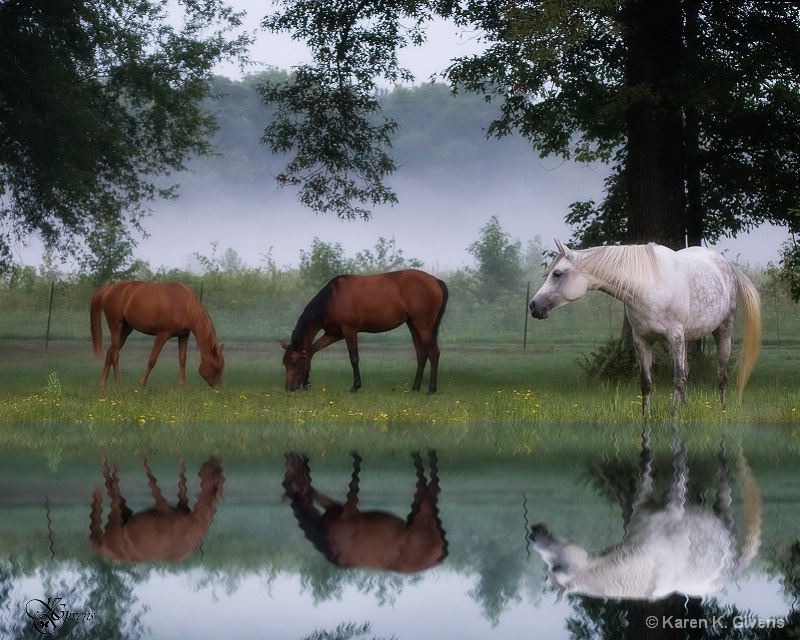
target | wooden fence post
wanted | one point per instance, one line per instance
(525, 332)
(49, 314)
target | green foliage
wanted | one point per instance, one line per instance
(611, 361)
(340, 159)
(345, 631)
(98, 101)
(790, 268)
(386, 257)
(323, 262)
(108, 256)
(499, 260)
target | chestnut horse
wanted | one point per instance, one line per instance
(161, 533)
(162, 310)
(349, 304)
(348, 537)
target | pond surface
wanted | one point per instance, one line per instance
(663, 532)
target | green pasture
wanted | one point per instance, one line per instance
(498, 367)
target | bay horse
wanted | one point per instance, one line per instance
(164, 532)
(350, 304)
(679, 547)
(162, 310)
(348, 537)
(677, 296)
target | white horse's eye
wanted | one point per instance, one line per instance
(557, 274)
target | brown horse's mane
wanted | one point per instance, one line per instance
(202, 326)
(314, 310)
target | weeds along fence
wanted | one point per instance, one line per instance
(257, 313)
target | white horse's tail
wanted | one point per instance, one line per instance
(751, 538)
(750, 302)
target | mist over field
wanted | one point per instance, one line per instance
(451, 180)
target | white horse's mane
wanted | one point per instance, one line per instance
(623, 270)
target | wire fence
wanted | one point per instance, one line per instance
(257, 314)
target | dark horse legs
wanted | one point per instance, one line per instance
(426, 350)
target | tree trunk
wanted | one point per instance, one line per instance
(654, 173)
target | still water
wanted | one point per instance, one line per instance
(659, 532)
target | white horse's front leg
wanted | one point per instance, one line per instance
(644, 354)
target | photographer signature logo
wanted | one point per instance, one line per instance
(49, 616)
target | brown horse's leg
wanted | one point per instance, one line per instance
(161, 339)
(351, 338)
(422, 355)
(96, 518)
(183, 341)
(183, 497)
(425, 532)
(427, 348)
(351, 504)
(119, 334)
(325, 340)
(119, 512)
(158, 497)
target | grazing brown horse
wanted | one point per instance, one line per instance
(348, 305)
(348, 537)
(162, 310)
(161, 533)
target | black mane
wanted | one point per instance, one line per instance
(315, 311)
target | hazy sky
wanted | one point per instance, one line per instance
(434, 222)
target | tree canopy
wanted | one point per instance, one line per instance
(694, 102)
(99, 101)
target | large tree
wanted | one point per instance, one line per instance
(99, 100)
(695, 103)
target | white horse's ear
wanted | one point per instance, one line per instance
(563, 248)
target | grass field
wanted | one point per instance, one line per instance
(497, 367)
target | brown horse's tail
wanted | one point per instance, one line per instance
(95, 311)
(212, 481)
(445, 296)
(751, 344)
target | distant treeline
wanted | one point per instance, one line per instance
(438, 132)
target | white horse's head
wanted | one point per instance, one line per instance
(565, 560)
(565, 283)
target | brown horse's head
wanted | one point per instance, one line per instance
(212, 364)
(298, 366)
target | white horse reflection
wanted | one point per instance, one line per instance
(677, 548)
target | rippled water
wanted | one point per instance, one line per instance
(661, 533)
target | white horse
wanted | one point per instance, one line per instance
(677, 296)
(679, 547)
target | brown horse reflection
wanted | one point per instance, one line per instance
(348, 537)
(163, 532)
(677, 547)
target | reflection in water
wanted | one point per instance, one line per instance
(676, 547)
(258, 559)
(348, 537)
(160, 533)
